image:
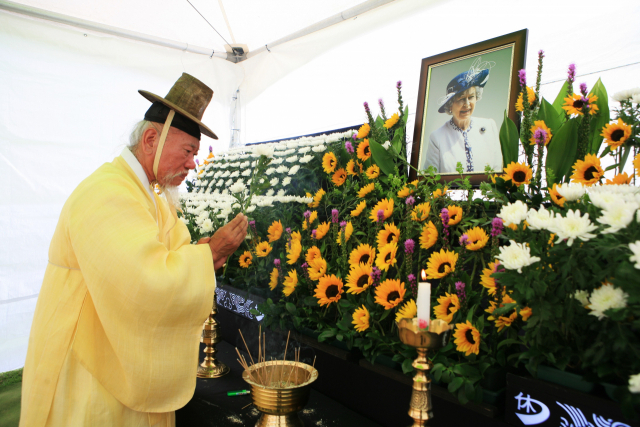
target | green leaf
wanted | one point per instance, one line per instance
(407, 366)
(326, 334)
(255, 312)
(550, 116)
(381, 157)
(466, 371)
(625, 155)
(504, 309)
(600, 119)
(398, 140)
(455, 384)
(509, 342)
(385, 315)
(291, 308)
(462, 396)
(509, 141)
(311, 301)
(559, 101)
(561, 154)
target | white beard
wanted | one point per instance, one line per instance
(172, 194)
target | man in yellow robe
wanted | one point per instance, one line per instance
(115, 334)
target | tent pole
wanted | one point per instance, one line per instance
(106, 29)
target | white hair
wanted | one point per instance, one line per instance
(447, 106)
(136, 134)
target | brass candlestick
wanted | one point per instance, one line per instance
(210, 366)
(420, 408)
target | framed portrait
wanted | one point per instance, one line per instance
(462, 100)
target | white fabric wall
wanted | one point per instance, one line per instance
(67, 104)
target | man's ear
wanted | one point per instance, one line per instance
(149, 140)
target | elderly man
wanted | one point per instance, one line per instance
(115, 334)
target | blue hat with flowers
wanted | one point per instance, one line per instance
(464, 81)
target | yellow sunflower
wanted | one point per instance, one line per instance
(362, 254)
(387, 256)
(290, 283)
(312, 253)
(518, 173)
(502, 321)
(428, 236)
(441, 263)
(391, 122)
(317, 268)
(557, 198)
(322, 230)
(353, 168)
(296, 236)
(329, 290)
(373, 172)
(329, 162)
(408, 311)
(339, 177)
(539, 124)
(263, 249)
(313, 216)
(587, 172)
(348, 231)
(245, 259)
(636, 164)
(531, 97)
(439, 192)
(486, 280)
(366, 190)
(421, 212)
(447, 306)
(390, 293)
(526, 313)
(467, 338)
(404, 192)
(361, 319)
(477, 238)
(358, 210)
(294, 249)
(364, 152)
(615, 134)
(621, 178)
(274, 279)
(455, 214)
(363, 131)
(359, 278)
(574, 104)
(274, 232)
(386, 205)
(390, 233)
(317, 198)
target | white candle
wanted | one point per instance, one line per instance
(424, 299)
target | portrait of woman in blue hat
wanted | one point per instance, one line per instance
(464, 138)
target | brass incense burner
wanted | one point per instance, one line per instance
(211, 367)
(280, 389)
(420, 408)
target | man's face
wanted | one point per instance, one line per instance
(177, 157)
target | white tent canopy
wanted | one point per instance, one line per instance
(68, 95)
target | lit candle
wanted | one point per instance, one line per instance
(424, 299)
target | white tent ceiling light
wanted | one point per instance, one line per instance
(68, 95)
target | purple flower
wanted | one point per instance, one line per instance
(366, 107)
(210, 149)
(409, 246)
(288, 230)
(540, 135)
(343, 224)
(307, 214)
(375, 275)
(380, 103)
(410, 201)
(522, 75)
(583, 88)
(444, 215)
(541, 54)
(313, 233)
(412, 282)
(197, 162)
(276, 262)
(399, 84)
(305, 265)
(334, 216)
(460, 290)
(496, 227)
(571, 74)
(380, 215)
(464, 240)
(355, 136)
(252, 224)
(349, 147)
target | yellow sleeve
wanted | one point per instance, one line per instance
(140, 324)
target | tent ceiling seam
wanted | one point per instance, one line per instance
(224, 15)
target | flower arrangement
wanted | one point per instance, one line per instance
(540, 267)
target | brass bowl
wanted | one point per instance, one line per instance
(280, 400)
(411, 334)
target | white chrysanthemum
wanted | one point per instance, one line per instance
(228, 182)
(226, 174)
(635, 248)
(306, 159)
(623, 95)
(515, 256)
(245, 164)
(286, 181)
(540, 219)
(636, 98)
(217, 174)
(282, 169)
(513, 213)
(571, 192)
(235, 174)
(287, 153)
(291, 159)
(264, 150)
(319, 148)
(220, 183)
(292, 144)
(605, 297)
(251, 208)
(603, 199)
(634, 383)
(304, 150)
(617, 216)
(618, 189)
(294, 170)
(274, 182)
(238, 187)
(246, 172)
(277, 161)
(207, 226)
(573, 226)
(270, 171)
(281, 193)
(583, 297)
(386, 145)
(209, 173)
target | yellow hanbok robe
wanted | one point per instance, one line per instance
(115, 334)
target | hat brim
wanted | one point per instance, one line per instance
(152, 97)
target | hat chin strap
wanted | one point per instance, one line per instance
(163, 137)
